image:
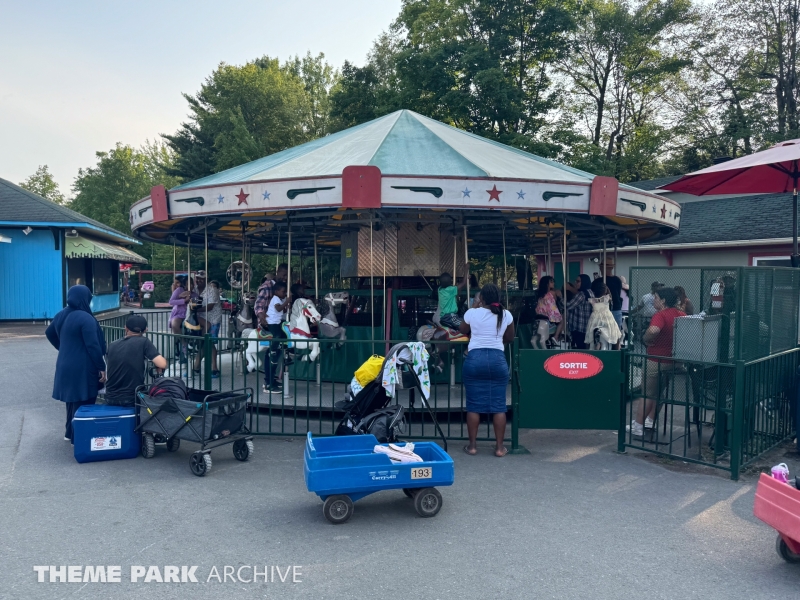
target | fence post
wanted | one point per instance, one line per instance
(207, 362)
(623, 400)
(738, 421)
(515, 393)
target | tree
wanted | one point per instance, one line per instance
(318, 79)
(624, 62)
(42, 183)
(483, 65)
(243, 113)
(121, 176)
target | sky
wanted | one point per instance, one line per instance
(77, 77)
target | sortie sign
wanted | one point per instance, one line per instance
(573, 365)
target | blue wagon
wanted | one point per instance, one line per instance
(343, 469)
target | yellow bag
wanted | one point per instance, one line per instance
(369, 370)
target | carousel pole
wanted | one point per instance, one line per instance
(505, 263)
(605, 267)
(316, 295)
(549, 261)
(189, 259)
(637, 247)
(278, 252)
(244, 255)
(466, 260)
(565, 269)
(371, 284)
(386, 334)
(286, 383)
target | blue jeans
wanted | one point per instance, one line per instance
(273, 370)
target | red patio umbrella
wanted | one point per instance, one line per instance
(772, 171)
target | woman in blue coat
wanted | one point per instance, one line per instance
(80, 368)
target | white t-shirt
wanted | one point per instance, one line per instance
(483, 326)
(274, 316)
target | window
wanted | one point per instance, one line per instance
(772, 261)
(106, 278)
(100, 276)
(79, 271)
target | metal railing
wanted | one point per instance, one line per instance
(719, 415)
(311, 389)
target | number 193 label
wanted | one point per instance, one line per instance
(422, 473)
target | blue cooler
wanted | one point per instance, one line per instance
(105, 433)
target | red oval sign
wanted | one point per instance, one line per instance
(573, 365)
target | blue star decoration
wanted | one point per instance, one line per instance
(266, 195)
(220, 199)
(466, 191)
(670, 214)
(520, 195)
(654, 209)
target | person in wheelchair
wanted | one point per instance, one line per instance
(126, 362)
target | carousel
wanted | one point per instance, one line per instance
(397, 201)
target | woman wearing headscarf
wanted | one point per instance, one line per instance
(80, 368)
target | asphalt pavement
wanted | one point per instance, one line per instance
(571, 520)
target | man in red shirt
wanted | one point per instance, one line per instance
(658, 339)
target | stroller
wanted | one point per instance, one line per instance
(368, 411)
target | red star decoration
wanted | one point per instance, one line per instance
(242, 197)
(664, 212)
(494, 193)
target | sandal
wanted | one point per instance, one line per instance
(466, 450)
(503, 452)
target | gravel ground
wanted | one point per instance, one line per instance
(571, 520)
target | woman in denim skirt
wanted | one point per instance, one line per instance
(485, 371)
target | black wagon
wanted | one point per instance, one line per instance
(208, 419)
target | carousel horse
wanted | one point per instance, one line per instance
(303, 314)
(329, 325)
(434, 332)
(259, 340)
(243, 318)
(542, 330)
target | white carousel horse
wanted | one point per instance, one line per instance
(298, 328)
(541, 333)
(329, 325)
(259, 342)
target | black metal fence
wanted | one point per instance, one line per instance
(311, 389)
(722, 392)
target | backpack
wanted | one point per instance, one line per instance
(385, 424)
(169, 387)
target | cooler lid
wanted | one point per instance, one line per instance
(104, 411)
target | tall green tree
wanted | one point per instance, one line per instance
(483, 65)
(122, 175)
(243, 113)
(42, 183)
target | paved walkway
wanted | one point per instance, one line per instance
(571, 520)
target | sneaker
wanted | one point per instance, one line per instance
(635, 428)
(648, 423)
(66, 439)
(214, 374)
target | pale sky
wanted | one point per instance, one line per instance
(77, 77)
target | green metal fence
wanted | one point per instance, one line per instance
(724, 394)
(312, 388)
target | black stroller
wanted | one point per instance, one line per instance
(368, 412)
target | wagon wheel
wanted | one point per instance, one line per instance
(338, 509)
(173, 444)
(243, 449)
(200, 464)
(410, 492)
(785, 553)
(427, 502)
(148, 445)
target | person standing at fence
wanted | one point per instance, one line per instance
(275, 315)
(127, 359)
(485, 370)
(684, 304)
(209, 317)
(579, 309)
(657, 369)
(80, 368)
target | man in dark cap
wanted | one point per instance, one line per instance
(126, 360)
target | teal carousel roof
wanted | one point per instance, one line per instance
(401, 143)
(402, 167)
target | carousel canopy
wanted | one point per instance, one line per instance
(401, 143)
(402, 168)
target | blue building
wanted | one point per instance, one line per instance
(45, 248)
